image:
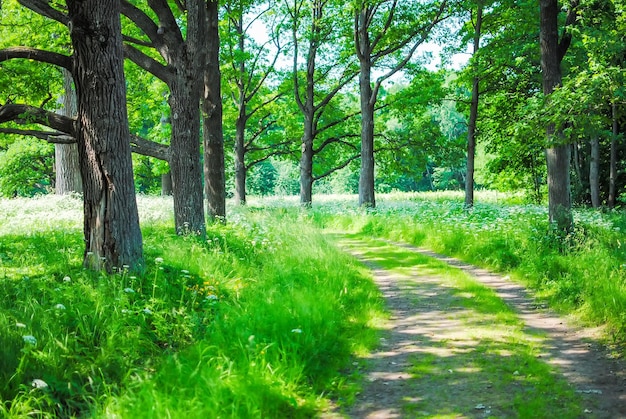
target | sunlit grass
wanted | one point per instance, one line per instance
(587, 276)
(483, 361)
(259, 320)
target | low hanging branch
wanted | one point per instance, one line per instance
(64, 129)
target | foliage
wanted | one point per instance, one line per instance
(26, 168)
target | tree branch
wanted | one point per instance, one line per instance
(54, 137)
(37, 55)
(44, 8)
(149, 64)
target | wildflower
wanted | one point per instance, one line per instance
(129, 290)
(30, 339)
(211, 297)
(59, 307)
(125, 311)
(67, 279)
(125, 267)
(20, 325)
(296, 331)
(147, 311)
(40, 384)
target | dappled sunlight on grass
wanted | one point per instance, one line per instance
(467, 352)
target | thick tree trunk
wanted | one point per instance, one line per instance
(185, 163)
(613, 159)
(368, 101)
(214, 171)
(112, 234)
(67, 166)
(473, 117)
(594, 172)
(240, 155)
(557, 156)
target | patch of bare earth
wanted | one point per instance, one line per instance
(424, 322)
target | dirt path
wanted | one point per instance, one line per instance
(441, 359)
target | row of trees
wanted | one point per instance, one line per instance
(331, 84)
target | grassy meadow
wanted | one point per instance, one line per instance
(264, 318)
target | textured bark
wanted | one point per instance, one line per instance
(594, 172)
(67, 165)
(183, 75)
(214, 171)
(557, 156)
(473, 117)
(112, 234)
(306, 163)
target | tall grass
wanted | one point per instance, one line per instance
(586, 277)
(259, 320)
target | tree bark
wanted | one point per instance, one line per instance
(558, 155)
(306, 163)
(67, 165)
(613, 159)
(366, 177)
(214, 171)
(166, 184)
(473, 116)
(594, 172)
(240, 155)
(112, 234)
(364, 51)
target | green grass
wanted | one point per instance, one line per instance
(259, 320)
(483, 357)
(263, 318)
(586, 277)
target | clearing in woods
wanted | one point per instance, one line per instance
(462, 342)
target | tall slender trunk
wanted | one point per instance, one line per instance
(557, 156)
(214, 171)
(368, 101)
(166, 184)
(594, 172)
(66, 162)
(111, 221)
(473, 117)
(306, 163)
(613, 159)
(240, 157)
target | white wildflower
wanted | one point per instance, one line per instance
(59, 307)
(129, 290)
(158, 261)
(147, 311)
(20, 325)
(40, 384)
(296, 330)
(67, 279)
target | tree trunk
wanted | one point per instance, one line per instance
(240, 155)
(111, 221)
(67, 166)
(557, 156)
(185, 156)
(214, 171)
(166, 184)
(594, 172)
(366, 178)
(306, 163)
(473, 117)
(613, 159)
